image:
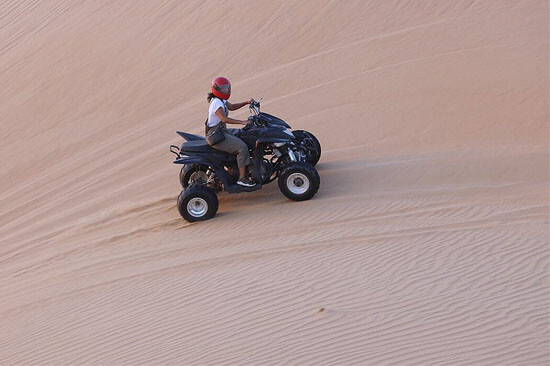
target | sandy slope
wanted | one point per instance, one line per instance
(427, 243)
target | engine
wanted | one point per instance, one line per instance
(267, 170)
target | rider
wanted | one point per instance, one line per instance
(218, 113)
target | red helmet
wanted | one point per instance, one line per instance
(221, 87)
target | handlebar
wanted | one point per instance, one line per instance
(255, 106)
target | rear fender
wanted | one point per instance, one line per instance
(189, 136)
(192, 160)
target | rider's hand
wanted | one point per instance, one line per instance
(250, 101)
(247, 122)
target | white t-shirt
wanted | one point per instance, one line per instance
(215, 104)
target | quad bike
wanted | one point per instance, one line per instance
(275, 151)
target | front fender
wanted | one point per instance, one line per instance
(264, 140)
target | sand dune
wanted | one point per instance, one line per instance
(427, 243)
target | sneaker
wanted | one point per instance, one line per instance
(245, 182)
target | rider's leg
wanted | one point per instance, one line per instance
(242, 172)
(242, 169)
(235, 145)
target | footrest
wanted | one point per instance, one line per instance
(235, 188)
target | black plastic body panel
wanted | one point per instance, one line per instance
(190, 136)
(272, 120)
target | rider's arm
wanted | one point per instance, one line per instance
(221, 115)
(234, 107)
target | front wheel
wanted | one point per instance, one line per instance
(299, 181)
(197, 203)
(311, 144)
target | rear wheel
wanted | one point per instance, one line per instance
(312, 145)
(197, 203)
(299, 181)
(194, 173)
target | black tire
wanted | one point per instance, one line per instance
(313, 152)
(197, 203)
(299, 181)
(189, 172)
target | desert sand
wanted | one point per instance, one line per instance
(427, 243)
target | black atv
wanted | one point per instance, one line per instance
(275, 151)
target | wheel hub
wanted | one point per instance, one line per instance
(297, 183)
(197, 207)
(308, 142)
(198, 176)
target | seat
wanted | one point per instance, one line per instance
(197, 146)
